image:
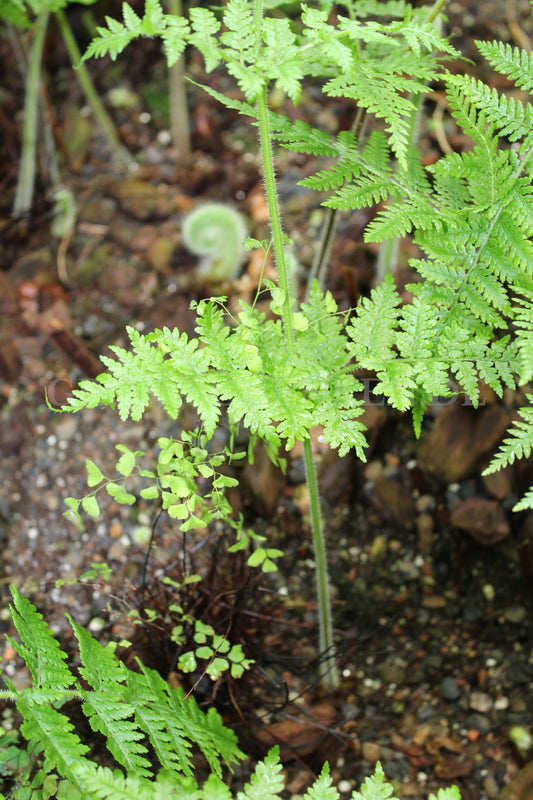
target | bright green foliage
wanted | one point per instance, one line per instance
(127, 707)
(117, 36)
(518, 444)
(474, 222)
(14, 12)
(471, 214)
(18, 12)
(130, 709)
(217, 651)
(276, 393)
(377, 65)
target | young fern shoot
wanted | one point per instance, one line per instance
(216, 232)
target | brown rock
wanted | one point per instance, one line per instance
(500, 484)
(484, 520)
(395, 501)
(141, 199)
(299, 733)
(521, 787)
(263, 480)
(459, 438)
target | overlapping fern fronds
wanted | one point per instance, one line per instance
(130, 709)
(133, 709)
(274, 391)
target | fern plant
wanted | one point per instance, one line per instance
(130, 710)
(279, 377)
(470, 214)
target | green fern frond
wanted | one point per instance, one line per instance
(514, 62)
(375, 787)
(523, 319)
(526, 502)
(153, 713)
(116, 37)
(205, 26)
(240, 34)
(281, 60)
(379, 91)
(509, 116)
(372, 330)
(517, 445)
(124, 706)
(398, 219)
(388, 8)
(51, 733)
(332, 178)
(267, 780)
(14, 12)
(133, 375)
(38, 646)
(188, 374)
(175, 37)
(107, 707)
(424, 37)
(323, 365)
(301, 137)
(519, 442)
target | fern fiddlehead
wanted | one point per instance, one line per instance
(216, 232)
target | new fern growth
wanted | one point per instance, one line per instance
(216, 232)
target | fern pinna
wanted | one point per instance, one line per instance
(130, 709)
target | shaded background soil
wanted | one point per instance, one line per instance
(432, 576)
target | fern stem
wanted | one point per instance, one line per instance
(329, 228)
(435, 11)
(26, 178)
(330, 675)
(179, 115)
(275, 218)
(330, 678)
(103, 118)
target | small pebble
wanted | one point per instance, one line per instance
(425, 503)
(482, 702)
(96, 624)
(374, 471)
(479, 722)
(515, 614)
(450, 689)
(501, 703)
(488, 592)
(491, 787)
(370, 751)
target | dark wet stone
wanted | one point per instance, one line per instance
(450, 689)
